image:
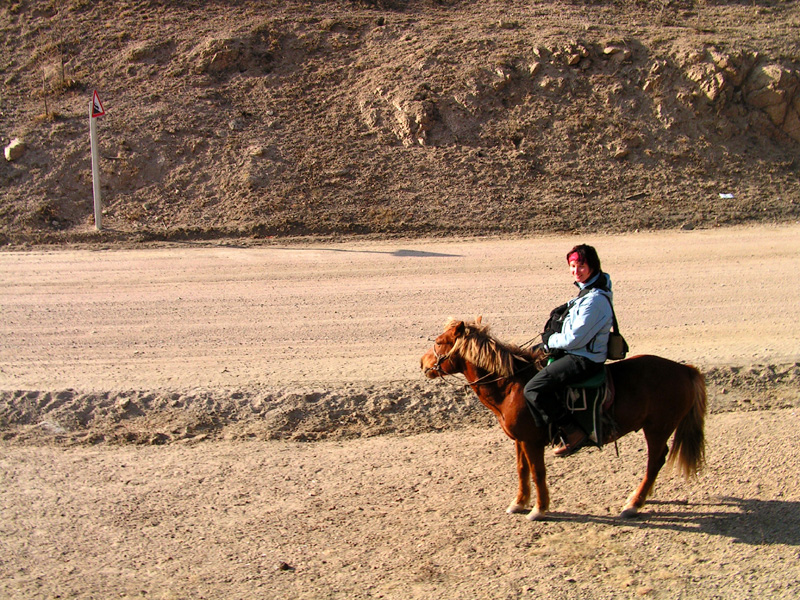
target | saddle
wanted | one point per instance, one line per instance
(589, 402)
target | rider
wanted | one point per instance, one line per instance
(578, 345)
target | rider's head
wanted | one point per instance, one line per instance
(587, 255)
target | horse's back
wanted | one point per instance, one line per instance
(652, 387)
(655, 368)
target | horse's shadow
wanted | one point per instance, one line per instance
(745, 521)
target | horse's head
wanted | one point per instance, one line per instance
(443, 359)
(470, 342)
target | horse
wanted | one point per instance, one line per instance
(654, 394)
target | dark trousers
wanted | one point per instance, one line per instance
(540, 391)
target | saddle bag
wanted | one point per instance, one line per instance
(617, 346)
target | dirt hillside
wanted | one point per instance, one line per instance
(396, 117)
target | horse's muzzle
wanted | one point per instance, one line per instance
(429, 365)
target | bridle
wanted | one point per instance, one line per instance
(440, 358)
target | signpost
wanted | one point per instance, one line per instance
(95, 111)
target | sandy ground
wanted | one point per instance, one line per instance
(103, 347)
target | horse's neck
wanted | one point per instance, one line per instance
(490, 388)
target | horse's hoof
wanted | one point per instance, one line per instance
(515, 508)
(630, 513)
(536, 515)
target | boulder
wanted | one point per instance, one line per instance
(15, 150)
(791, 124)
(772, 88)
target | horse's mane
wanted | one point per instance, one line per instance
(485, 351)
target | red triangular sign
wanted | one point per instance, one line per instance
(97, 106)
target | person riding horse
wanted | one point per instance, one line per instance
(576, 337)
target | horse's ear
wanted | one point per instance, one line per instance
(459, 329)
(478, 320)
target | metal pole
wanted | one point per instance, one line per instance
(98, 215)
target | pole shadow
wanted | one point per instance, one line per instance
(400, 253)
(117, 234)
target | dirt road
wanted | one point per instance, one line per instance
(249, 348)
(298, 315)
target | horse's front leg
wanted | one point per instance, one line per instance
(535, 458)
(530, 457)
(522, 502)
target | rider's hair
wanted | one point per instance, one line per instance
(586, 254)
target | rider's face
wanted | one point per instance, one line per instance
(579, 270)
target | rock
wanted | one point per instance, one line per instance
(124, 403)
(617, 53)
(217, 55)
(650, 85)
(770, 88)
(735, 67)
(722, 61)
(791, 124)
(508, 24)
(657, 67)
(15, 150)
(771, 76)
(710, 82)
(414, 120)
(620, 151)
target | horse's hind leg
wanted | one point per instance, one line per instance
(522, 501)
(656, 457)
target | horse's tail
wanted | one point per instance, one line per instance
(688, 447)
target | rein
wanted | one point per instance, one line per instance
(479, 381)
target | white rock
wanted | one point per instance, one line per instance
(15, 149)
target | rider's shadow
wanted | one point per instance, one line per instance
(745, 521)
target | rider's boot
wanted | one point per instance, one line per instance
(574, 439)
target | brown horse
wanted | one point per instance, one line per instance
(654, 394)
